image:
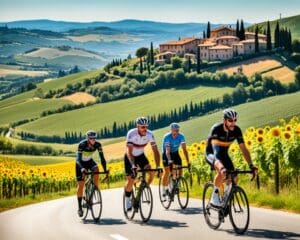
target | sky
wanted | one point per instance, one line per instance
(177, 11)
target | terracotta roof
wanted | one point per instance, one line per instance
(207, 44)
(222, 28)
(220, 47)
(252, 41)
(228, 37)
(180, 42)
(252, 33)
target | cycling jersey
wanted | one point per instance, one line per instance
(219, 142)
(173, 143)
(86, 150)
(139, 142)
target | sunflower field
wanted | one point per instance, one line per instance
(274, 150)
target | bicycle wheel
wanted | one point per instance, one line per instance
(211, 214)
(146, 203)
(239, 210)
(96, 204)
(165, 201)
(183, 193)
(85, 205)
(129, 214)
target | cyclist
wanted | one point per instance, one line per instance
(171, 143)
(136, 141)
(221, 137)
(85, 161)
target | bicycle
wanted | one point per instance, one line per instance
(177, 187)
(233, 203)
(141, 197)
(92, 199)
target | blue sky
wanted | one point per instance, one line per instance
(215, 11)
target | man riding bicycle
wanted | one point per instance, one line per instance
(136, 141)
(85, 161)
(171, 143)
(221, 137)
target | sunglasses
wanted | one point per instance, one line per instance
(92, 139)
(231, 120)
(143, 127)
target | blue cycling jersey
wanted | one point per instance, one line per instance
(173, 143)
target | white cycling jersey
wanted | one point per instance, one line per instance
(139, 142)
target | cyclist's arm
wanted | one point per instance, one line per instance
(130, 154)
(156, 154)
(185, 152)
(246, 153)
(102, 159)
(168, 153)
(78, 159)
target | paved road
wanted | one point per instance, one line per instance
(58, 220)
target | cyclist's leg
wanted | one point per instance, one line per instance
(130, 180)
(177, 161)
(166, 175)
(94, 167)
(80, 185)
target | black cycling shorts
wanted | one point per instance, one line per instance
(90, 165)
(140, 161)
(175, 157)
(226, 161)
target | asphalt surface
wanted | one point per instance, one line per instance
(58, 219)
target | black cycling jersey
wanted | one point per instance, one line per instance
(86, 150)
(220, 140)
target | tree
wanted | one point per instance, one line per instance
(277, 36)
(151, 54)
(204, 34)
(140, 53)
(256, 40)
(242, 31)
(237, 29)
(198, 60)
(176, 62)
(297, 76)
(208, 30)
(269, 41)
(39, 93)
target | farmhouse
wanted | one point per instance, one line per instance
(223, 44)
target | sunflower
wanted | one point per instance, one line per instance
(260, 139)
(288, 127)
(287, 135)
(298, 129)
(260, 131)
(275, 131)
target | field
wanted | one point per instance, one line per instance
(28, 109)
(51, 53)
(100, 115)
(39, 160)
(283, 74)
(262, 64)
(7, 70)
(80, 97)
(104, 38)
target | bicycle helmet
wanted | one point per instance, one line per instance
(174, 126)
(142, 121)
(91, 134)
(230, 114)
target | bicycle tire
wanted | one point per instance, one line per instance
(183, 193)
(165, 202)
(146, 200)
(96, 204)
(210, 213)
(129, 214)
(239, 203)
(85, 205)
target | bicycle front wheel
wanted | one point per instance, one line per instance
(146, 203)
(211, 214)
(239, 210)
(129, 214)
(96, 204)
(183, 193)
(165, 200)
(85, 205)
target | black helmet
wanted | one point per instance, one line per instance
(230, 114)
(142, 121)
(91, 134)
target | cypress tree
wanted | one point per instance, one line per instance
(242, 31)
(277, 36)
(237, 29)
(269, 40)
(256, 40)
(198, 60)
(204, 34)
(208, 30)
(151, 54)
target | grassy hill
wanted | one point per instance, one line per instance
(292, 23)
(104, 114)
(260, 113)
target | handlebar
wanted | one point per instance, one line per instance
(150, 170)
(236, 172)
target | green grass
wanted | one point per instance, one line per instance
(40, 160)
(100, 115)
(29, 109)
(259, 113)
(292, 23)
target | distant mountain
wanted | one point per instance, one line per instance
(292, 23)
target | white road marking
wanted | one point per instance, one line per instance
(118, 237)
